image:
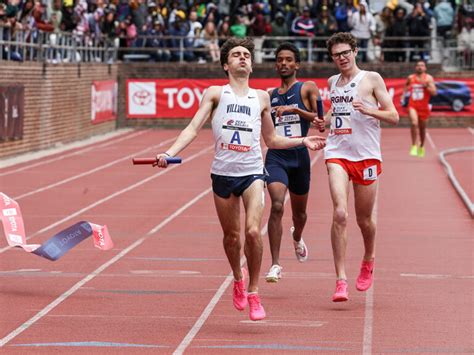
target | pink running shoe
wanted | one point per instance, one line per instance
(341, 294)
(256, 309)
(239, 293)
(366, 276)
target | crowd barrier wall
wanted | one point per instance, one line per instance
(58, 99)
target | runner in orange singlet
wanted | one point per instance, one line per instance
(420, 87)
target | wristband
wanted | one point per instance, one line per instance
(167, 154)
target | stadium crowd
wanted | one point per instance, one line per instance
(159, 24)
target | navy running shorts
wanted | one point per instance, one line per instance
(224, 186)
(291, 167)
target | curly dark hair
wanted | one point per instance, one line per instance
(341, 37)
(289, 47)
(236, 42)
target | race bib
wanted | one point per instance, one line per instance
(370, 173)
(341, 123)
(418, 93)
(288, 126)
(237, 136)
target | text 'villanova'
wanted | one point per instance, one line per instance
(238, 109)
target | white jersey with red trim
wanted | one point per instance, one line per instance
(353, 136)
(236, 126)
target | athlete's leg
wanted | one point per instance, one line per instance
(413, 115)
(364, 197)
(339, 188)
(277, 192)
(298, 208)
(253, 199)
(228, 211)
(422, 125)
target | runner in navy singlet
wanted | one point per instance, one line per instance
(293, 109)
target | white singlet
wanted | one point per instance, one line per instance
(236, 126)
(353, 135)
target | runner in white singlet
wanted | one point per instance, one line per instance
(239, 116)
(359, 101)
(236, 125)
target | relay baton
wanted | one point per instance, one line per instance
(169, 160)
(320, 108)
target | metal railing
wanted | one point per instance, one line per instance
(69, 47)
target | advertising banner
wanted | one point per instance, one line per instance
(11, 112)
(179, 98)
(103, 101)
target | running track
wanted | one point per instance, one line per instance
(164, 288)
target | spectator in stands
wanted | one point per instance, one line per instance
(279, 28)
(41, 21)
(239, 28)
(466, 43)
(363, 25)
(180, 28)
(139, 10)
(258, 27)
(212, 15)
(25, 17)
(418, 26)
(398, 30)
(224, 30)
(82, 26)
(109, 25)
(326, 25)
(160, 53)
(444, 15)
(343, 10)
(303, 26)
(383, 21)
(210, 41)
(57, 16)
(195, 28)
(11, 28)
(69, 20)
(466, 10)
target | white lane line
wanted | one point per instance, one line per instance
(217, 296)
(430, 140)
(369, 301)
(56, 151)
(97, 271)
(75, 177)
(471, 130)
(111, 196)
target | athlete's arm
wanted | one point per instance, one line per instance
(407, 85)
(187, 135)
(313, 97)
(430, 85)
(386, 111)
(272, 140)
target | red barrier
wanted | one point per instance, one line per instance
(179, 98)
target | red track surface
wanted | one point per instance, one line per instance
(159, 290)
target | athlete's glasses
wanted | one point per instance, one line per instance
(344, 54)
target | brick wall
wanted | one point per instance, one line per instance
(57, 107)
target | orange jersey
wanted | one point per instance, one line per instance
(419, 94)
